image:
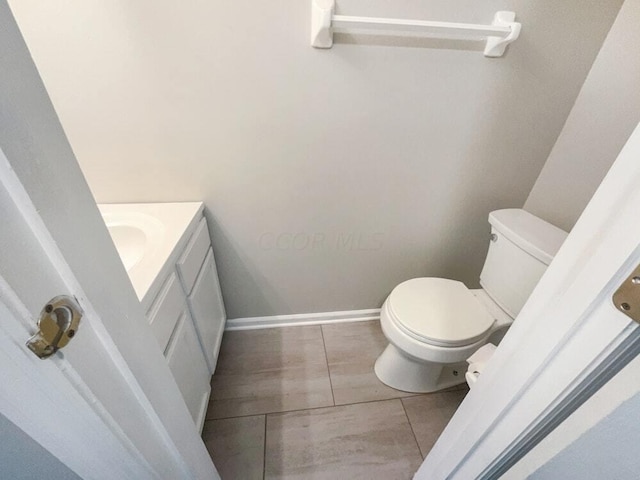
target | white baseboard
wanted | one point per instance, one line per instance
(254, 323)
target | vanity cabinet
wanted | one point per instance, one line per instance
(174, 276)
(187, 317)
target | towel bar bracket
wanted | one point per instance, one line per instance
(496, 46)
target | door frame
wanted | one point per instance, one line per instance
(566, 343)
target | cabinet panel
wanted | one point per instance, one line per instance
(189, 368)
(193, 256)
(208, 311)
(165, 310)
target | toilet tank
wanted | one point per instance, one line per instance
(521, 247)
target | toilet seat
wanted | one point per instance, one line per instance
(439, 312)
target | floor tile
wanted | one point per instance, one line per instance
(363, 441)
(236, 446)
(430, 413)
(270, 370)
(352, 350)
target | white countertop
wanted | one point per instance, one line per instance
(147, 236)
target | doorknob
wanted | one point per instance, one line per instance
(57, 325)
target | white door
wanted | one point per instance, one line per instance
(568, 341)
(106, 406)
(82, 404)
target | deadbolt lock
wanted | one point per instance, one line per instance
(57, 325)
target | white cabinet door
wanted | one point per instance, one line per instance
(208, 311)
(189, 368)
(166, 309)
(191, 259)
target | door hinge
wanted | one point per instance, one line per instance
(627, 297)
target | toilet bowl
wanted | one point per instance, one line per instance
(429, 356)
(434, 324)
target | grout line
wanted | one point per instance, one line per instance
(264, 450)
(405, 394)
(326, 359)
(334, 405)
(412, 430)
(278, 412)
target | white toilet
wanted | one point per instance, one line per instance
(433, 324)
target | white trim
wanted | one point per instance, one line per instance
(255, 323)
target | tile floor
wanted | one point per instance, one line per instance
(304, 403)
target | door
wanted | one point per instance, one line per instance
(84, 395)
(568, 341)
(105, 406)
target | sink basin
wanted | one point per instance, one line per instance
(136, 236)
(130, 242)
(145, 235)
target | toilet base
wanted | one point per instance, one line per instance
(399, 371)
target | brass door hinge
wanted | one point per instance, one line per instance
(627, 297)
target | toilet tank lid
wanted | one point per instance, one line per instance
(532, 234)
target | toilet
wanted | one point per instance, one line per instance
(434, 324)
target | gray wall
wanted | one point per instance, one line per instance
(608, 450)
(603, 408)
(330, 176)
(604, 115)
(21, 458)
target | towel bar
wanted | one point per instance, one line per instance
(499, 34)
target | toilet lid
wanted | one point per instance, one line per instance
(439, 311)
